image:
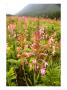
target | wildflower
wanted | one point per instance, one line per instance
(20, 37)
(18, 55)
(51, 40)
(11, 28)
(34, 61)
(43, 54)
(29, 54)
(41, 30)
(36, 36)
(43, 71)
(25, 18)
(18, 49)
(25, 21)
(35, 46)
(19, 18)
(37, 66)
(46, 36)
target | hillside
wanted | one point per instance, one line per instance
(44, 10)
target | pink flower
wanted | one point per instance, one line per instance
(50, 41)
(11, 28)
(18, 49)
(34, 61)
(25, 19)
(43, 71)
(37, 36)
(35, 46)
(19, 18)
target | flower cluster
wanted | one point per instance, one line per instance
(39, 62)
(11, 28)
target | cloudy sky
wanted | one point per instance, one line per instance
(13, 6)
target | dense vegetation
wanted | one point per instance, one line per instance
(33, 51)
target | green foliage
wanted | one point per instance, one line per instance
(58, 36)
(11, 77)
(52, 77)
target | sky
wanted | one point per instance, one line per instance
(14, 6)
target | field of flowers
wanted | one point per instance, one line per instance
(33, 51)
